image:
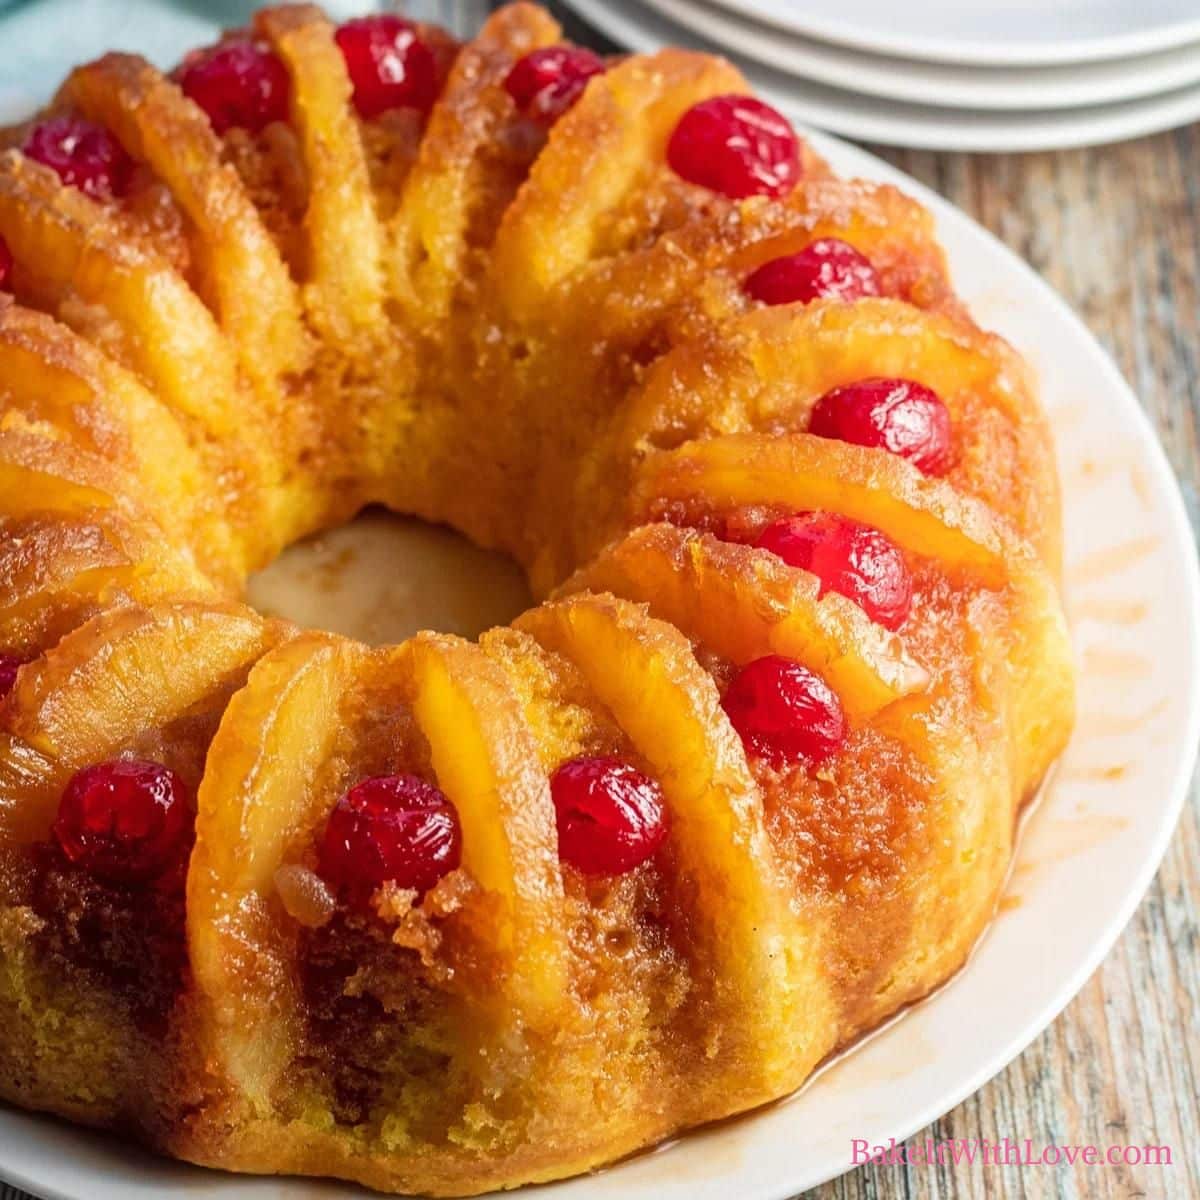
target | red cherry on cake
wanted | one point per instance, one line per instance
(854, 560)
(6, 264)
(825, 269)
(390, 829)
(83, 155)
(547, 82)
(899, 415)
(610, 816)
(736, 145)
(240, 84)
(389, 65)
(125, 821)
(784, 712)
(9, 666)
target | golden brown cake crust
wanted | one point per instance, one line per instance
(542, 339)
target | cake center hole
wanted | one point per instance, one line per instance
(383, 577)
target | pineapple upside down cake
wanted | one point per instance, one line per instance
(449, 916)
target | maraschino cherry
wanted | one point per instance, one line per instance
(240, 84)
(390, 66)
(849, 558)
(83, 155)
(6, 264)
(611, 817)
(825, 269)
(899, 415)
(784, 712)
(390, 829)
(124, 821)
(736, 145)
(547, 82)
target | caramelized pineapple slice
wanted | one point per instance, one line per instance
(41, 556)
(57, 572)
(558, 705)
(261, 804)
(75, 243)
(40, 476)
(623, 120)
(774, 362)
(799, 472)
(123, 673)
(83, 249)
(644, 671)
(744, 603)
(50, 374)
(456, 168)
(42, 471)
(893, 230)
(30, 787)
(258, 303)
(345, 239)
(486, 761)
(692, 277)
(764, 371)
(925, 516)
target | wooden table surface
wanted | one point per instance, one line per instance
(1116, 230)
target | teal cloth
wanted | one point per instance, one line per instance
(43, 39)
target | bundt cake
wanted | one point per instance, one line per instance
(450, 916)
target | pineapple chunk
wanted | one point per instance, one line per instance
(258, 302)
(260, 804)
(756, 954)
(624, 120)
(486, 761)
(743, 603)
(921, 514)
(346, 289)
(429, 231)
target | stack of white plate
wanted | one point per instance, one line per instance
(945, 74)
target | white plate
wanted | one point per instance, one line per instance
(895, 123)
(987, 32)
(950, 85)
(1088, 854)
